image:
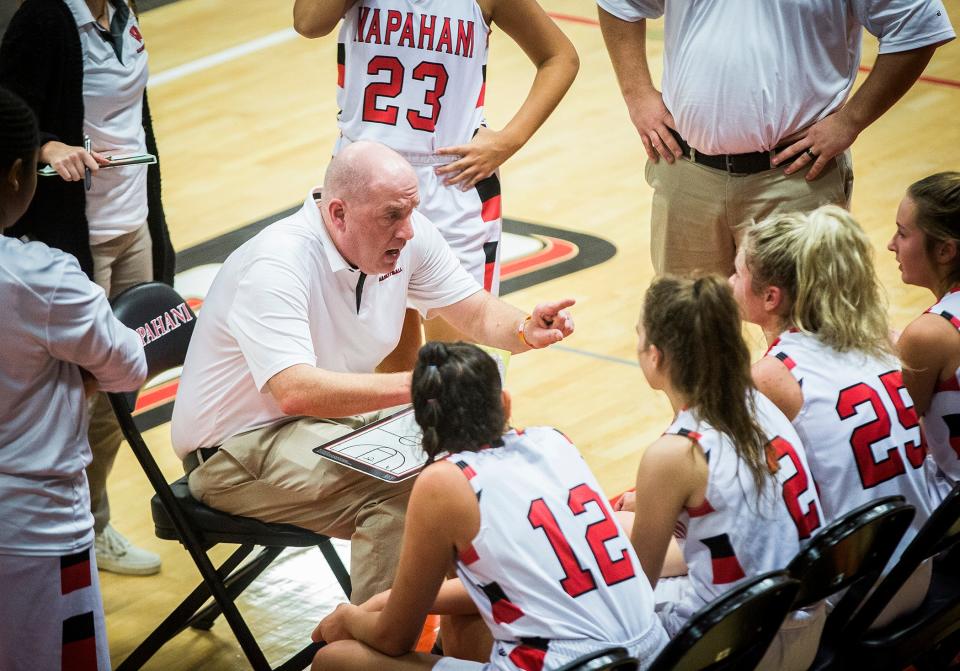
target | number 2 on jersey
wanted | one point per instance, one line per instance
(578, 580)
(393, 87)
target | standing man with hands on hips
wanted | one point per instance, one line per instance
(756, 115)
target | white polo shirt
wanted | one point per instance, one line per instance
(740, 75)
(288, 297)
(113, 119)
(55, 321)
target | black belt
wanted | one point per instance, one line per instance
(737, 164)
(197, 457)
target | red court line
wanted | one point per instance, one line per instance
(571, 18)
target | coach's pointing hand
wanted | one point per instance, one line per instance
(548, 324)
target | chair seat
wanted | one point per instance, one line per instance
(219, 527)
(934, 620)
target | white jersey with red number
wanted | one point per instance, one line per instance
(942, 419)
(859, 427)
(738, 532)
(411, 73)
(551, 571)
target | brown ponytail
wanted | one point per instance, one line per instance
(696, 324)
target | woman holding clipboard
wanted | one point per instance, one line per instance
(81, 65)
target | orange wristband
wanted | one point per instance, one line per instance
(520, 335)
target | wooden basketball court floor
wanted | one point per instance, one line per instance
(244, 112)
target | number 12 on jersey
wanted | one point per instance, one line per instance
(577, 579)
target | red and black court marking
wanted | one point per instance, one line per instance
(559, 253)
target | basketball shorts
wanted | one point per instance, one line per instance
(469, 221)
(511, 655)
(52, 614)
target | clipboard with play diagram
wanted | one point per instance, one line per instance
(388, 449)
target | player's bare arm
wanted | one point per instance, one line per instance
(774, 381)
(556, 62)
(924, 348)
(490, 321)
(891, 77)
(307, 391)
(672, 475)
(442, 518)
(316, 18)
(627, 45)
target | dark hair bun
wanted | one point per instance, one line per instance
(19, 137)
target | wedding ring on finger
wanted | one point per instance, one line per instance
(809, 152)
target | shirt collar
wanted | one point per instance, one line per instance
(312, 213)
(82, 14)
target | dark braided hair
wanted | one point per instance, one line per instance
(457, 398)
(18, 130)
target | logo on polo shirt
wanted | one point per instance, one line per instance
(138, 37)
(395, 271)
(160, 325)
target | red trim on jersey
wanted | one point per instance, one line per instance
(340, 74)
(490, 211)
(468, 471)
(505, 611)
(483, 93)
(80, 655)
(75, 575)
(699, 511)
(528, 659)
(772, 345)
(726, 570)
(469, 555)
(786, 360)
(692, 435)
(488, 269)
(951, 384)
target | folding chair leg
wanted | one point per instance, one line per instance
(176, 621)
(339, 571)
(235, 583)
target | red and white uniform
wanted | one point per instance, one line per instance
(551, 571)
(739, 532)
(858, 423)
(942, 419)
(411, 75)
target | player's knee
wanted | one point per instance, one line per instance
(335, 656)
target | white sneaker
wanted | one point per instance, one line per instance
(116, 554)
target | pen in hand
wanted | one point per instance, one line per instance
(86, 169)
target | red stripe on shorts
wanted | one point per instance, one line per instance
(74, 572)
(491, 209)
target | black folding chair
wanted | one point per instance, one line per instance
(735, 630)
(852, 550)
(178, 516)
(608, 659)
(928, 637)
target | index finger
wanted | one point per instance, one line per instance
(554, 307)
(792, 150)
(446, 151)
(89, 161)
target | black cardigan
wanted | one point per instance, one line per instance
(41, 60)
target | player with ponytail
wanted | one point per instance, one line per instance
(808, 281)
(509, 510)
(717, 479)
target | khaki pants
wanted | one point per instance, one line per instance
(697, 211)
(273, 475)
(118, 264)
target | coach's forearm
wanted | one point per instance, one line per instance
(304, 390)
(487, 320)
(626, 43)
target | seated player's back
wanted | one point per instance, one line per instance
(859, 427)
(550, 562)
